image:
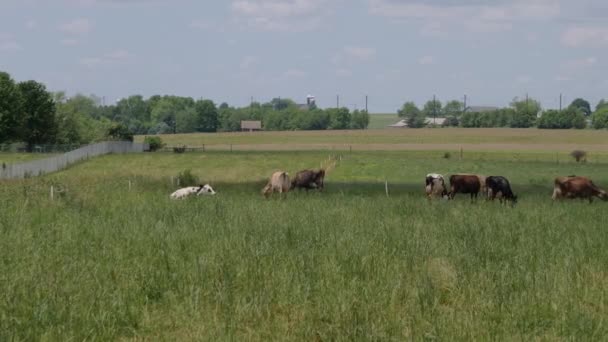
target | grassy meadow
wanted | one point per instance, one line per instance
(431, 139)
(105, 262)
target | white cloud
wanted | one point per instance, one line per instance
(426, 60)
(247, 62)
(580, 36)
(281, 15)
(69, 42)
(344, 73)
(31, 24)
(581, 63)
(294, 73)
(79, 26)
(111, 58)
(8, 43)
(475, 16)
(360, 53)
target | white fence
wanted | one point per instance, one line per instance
(52, 164)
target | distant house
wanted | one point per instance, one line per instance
(427, 121)
(399, 124)
(310, 101)
(434, 121)
(251, 126)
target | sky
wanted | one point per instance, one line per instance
(389, 50)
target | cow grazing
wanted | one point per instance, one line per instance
(190, 190)
(500, 185)
(465, 184)
(435, 186)
(577, 187)
(206, 190)
(309, 179)
(279, 182)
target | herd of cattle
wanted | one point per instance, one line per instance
(491, 187)
(498, 186)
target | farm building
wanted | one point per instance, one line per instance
(251, 126)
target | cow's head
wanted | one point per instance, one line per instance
(205, 190)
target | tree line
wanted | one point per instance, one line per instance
(30, 113)
(521, 113)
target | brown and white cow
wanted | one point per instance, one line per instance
(577, 187)
(279, 182)
(435, 186)
(309, 179)
(466, 184)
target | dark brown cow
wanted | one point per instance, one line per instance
(464, 184)
(309, 179)
(577, 187)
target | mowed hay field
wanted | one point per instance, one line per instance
(431, 139)
(102, 262)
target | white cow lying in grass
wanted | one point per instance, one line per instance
(198, 190)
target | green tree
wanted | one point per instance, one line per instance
(413, 116)
(603, 103)
(186, 120)
(39, 125)
(433, 108)
(120, 132)
(583, 105)
(360, 119)
(600, 118)
(453, 108)
(408, 109)
(526, 112)
(207, 116)
(11, 102)
(339, 118)
(75, 125)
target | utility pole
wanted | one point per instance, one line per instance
(366, 103)
(337, 101)
(527, 106)
(434, 109)
(465, 103)
(560, 102)
(251, 107)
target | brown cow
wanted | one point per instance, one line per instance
(309, 179)
(279, 182)
(577, 187)
(465, 184)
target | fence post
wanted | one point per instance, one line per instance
(172, 181)
(230, 147)
(386, 187)
(129, 185)
(351, 148)
(52, 193)
(461, 152)
(203, 147)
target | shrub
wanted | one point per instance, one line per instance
(156, 143)
(179, 149)
(447, 155)
(120, 132)
(579, 155)
(186, 178)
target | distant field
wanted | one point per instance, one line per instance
(380, 121)
(439, 139)
(9, 158)
(105, 262)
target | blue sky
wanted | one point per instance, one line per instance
(391, 50)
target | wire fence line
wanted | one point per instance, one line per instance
(53, 164)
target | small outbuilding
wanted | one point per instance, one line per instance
(251, 126)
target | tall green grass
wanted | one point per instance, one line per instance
(100, 262)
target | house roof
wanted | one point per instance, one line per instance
(399, 124)
(251, 124)
(434, 121)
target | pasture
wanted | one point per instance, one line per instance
(431, 139)
(102, 262)
(380, 121)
